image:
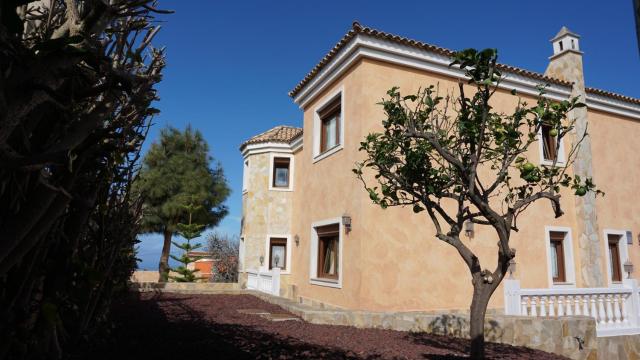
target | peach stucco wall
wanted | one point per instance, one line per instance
(616, 158)
(391, 260)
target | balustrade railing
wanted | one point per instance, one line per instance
(616, 310)
(265, 281)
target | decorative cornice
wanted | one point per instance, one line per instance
(359, 29)
(363, 42)
(372, 47)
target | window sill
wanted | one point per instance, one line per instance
(283, 272)
(563, 285)
(550, 163)
(326, 282)
(273, 188)
(328, 153)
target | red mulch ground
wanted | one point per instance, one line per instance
(172, 326)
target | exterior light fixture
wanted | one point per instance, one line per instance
(346, 222)
(468, 228)
(512, 268)
(261, 260)
(297, 240)
(628, 268)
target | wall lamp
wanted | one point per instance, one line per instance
(628, 268)
(297, 240)
(346, 222)
(468, 228)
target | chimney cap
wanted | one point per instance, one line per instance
(564, 31)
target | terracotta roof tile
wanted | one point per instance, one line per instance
(359, 29)
(279, 134)
(612, 95)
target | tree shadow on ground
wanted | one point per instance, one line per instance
(461, 347)
(144, 330)
(169, 326)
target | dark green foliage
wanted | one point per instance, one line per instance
(458, 160)
(189, 232)
(176, 171)
(75, 96)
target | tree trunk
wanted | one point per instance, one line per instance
(481, 295)
(163, 267)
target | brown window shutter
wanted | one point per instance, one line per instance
(557, 242)
(614, 252)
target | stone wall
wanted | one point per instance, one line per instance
(185, 288)
(573, 337)
(568, 66)
(264, 211)
(619, 347)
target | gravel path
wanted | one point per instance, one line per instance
(173, 326)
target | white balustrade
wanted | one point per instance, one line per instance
(616, 310)
(264, 281)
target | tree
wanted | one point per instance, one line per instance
(76, 88)
(177, 170)
(459, 160)
(225, 253)
(189, 232)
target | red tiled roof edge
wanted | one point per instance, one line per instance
(612, 95)
(274, 135)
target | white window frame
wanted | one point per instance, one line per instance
(245, 175)
(317, 125)
(313, 251)
(241, 254)
(561, 156)
(268, 250)
(272, 158)
(624, 254)
(569, 264)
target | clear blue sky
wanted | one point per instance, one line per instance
(230, 64)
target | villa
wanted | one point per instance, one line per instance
(308, 222)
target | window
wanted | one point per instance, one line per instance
(616, 253)
(281, 172)
(278, 253)
(558, 273)
(326, 253)
(328, 248)
(241, 254)
(328, 126)
(549, 144)
(330, 117)
(245, 176)
(560, 265)
(551, 147)
(615, 270)
(561, 47)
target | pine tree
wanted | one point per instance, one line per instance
(177, 170)
(189, 232)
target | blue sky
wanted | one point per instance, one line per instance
(230, 64)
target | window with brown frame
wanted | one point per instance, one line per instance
(614, 257)
(330, 117)
(281, 172)
(328, 247)
(549, 144)
(558, 272)
(278, 253)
